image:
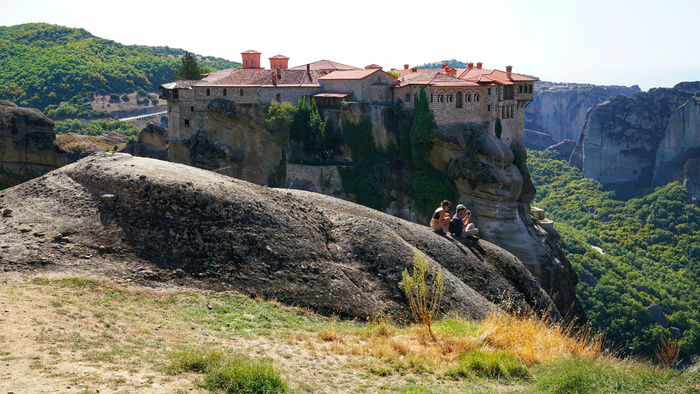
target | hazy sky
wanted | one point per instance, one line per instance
(620, 42)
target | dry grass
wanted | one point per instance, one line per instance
(535, 341)
(667, 352)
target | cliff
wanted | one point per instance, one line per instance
(28, 145)
(632, 143)
(560, 109)
(152, 222)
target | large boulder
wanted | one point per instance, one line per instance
(28, 145)
(151, 221)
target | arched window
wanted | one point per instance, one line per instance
(469, 97)
(459, 100)
(431, 97)
(449, 98)
(440, 98)
(476, 97)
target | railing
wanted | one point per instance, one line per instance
(142, 116)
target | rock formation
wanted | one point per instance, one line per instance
(152, 142)
(626, 138)
(235, 143)
(153, 221)
(27, 144)
(678, 154)
(495, 185)
(560, 110)
(78, 146)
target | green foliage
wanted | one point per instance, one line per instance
(189, 69)
(498, 128)
(280, 117)
(97, 127)
(369, 179)
(229, 374)
(429, 186)
(310, 128)
(438, 65)
(43, 65)
(496, 365)
(651, 254)
(424, 289)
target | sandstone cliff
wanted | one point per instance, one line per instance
(27, 144)
(152, 221)
(626, 138)
(560, 109)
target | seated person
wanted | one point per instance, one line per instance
(441, 218)
(460, 226)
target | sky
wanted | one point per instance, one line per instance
(604, 42)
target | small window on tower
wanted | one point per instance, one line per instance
(187, 123)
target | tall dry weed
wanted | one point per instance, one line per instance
(535, 340)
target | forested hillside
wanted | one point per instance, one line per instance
(649, 255)
(42, 66)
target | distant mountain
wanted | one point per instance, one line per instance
(437, 65)
(43, 65)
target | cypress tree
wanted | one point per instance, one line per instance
(189, 69)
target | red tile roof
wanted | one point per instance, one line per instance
(349, 74)
(326, 65)
(434, 78)
(255, 77)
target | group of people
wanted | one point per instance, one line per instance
(459, 224)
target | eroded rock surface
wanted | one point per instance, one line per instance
(27, 144)
(155, 222)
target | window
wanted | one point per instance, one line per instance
(459, 100)
(476, 97)
(469, 97)
(440, 98)
(192, 109)
(408, 98)
(208, 92)
(225, 92)
(241, 92)
(449, 98)
(520, 88)
(431, 97)
(187, 123)
(488, 108)
(488, 91)
(278, 97)
(508, 92)
(529, 89)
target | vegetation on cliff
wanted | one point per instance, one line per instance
(651, 255)
(47, 66)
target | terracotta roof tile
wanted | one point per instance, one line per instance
(349, 74)
(254, 77)
(434, 78)
(326, 65)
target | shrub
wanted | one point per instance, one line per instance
(496, 365)
(424, 289)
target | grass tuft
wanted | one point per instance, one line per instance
(492, 365)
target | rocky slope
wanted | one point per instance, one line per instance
(560, 109)
(28, 145)
(155, 222)
(632, 143)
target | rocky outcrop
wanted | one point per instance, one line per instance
(537, 139)
(27, 144)
(78, 146)
(563, 150)
(625, 138)
(152, 142)
(494, 184)
(152, 221)
(235, 143)
(678, 152)
(560, 109)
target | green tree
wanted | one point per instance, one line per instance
(189, 69)
(498, 128)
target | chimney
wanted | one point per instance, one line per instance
(478, 65)
(444, 66)
(405, 66)
(470, 66)
(451, 71)
(274, 78)
(251, 59)
(308, 68)
(509, 72)
(414, 70)
(279, 62)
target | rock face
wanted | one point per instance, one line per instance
(498, 193)
(678, 153)
(235, 144)
(27, 144)
(152, 221)
(625, 139)
(152, 142)
(560, 110)
(78, 146)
